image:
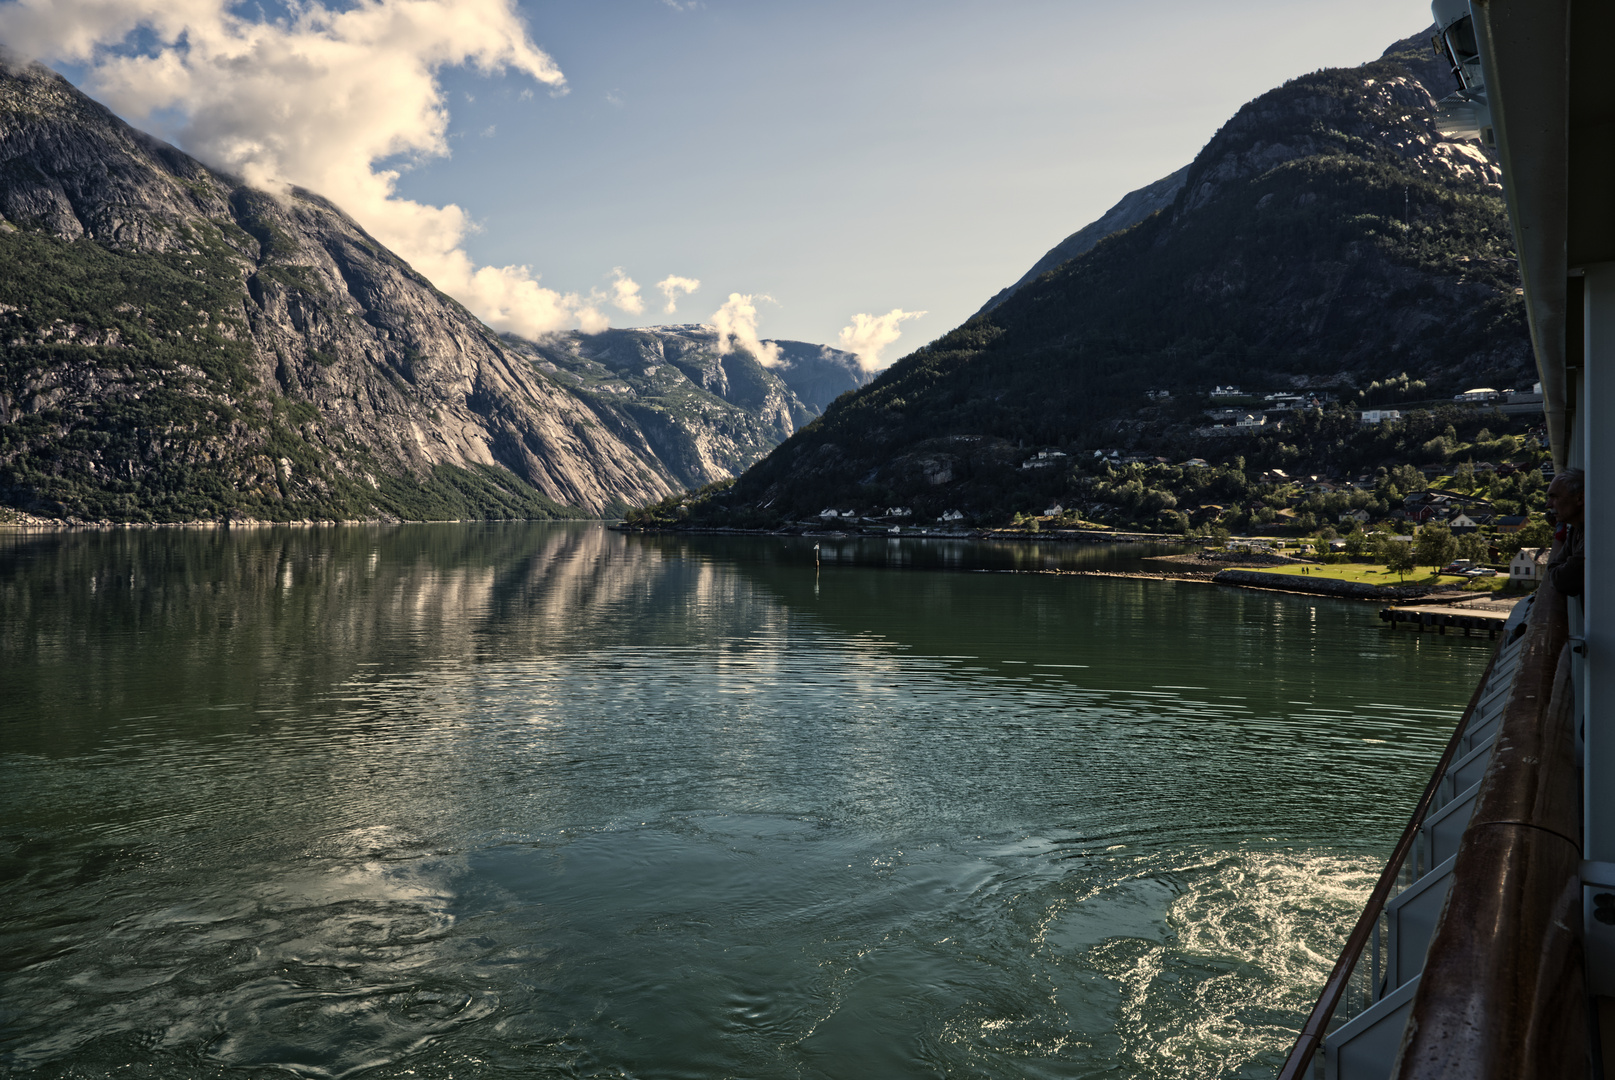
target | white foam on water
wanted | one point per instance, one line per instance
(1182, 966)
(1252, 937)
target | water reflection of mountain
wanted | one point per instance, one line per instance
(231, 628)
(1274, 650)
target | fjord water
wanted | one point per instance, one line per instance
(546, 800)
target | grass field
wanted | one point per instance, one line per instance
(1373, 574)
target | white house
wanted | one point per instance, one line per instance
(952, 515)
(1527, 565)
(1380, 416)
(1054, 511)
(1479, 393)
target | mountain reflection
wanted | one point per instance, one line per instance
(232, 628)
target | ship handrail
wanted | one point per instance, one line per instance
(1503, 990)
(1310, 1040)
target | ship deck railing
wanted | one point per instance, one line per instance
(1521, 704)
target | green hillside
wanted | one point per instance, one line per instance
(1326, 238)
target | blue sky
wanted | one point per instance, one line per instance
(839, 157)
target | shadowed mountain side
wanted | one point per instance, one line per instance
(178, 346)
(1327, 235)
(1134, 207)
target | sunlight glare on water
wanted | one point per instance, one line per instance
(545, 800)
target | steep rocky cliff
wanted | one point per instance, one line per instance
(175, 345)
(705, 416)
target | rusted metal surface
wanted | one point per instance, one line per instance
(1312, 1032)
(1503, 992)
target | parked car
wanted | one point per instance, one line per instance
(1480, 571)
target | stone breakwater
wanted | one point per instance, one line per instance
(1351, 590)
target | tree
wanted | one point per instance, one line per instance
(1463, 477)
(1407, 479)
(1399, 558)
(1472, 547)
(1537, 533)
(1436, 546)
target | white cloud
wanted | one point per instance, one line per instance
(315, 99)
(869, 335)
(671, 286)
(736, 323)
(625, 292)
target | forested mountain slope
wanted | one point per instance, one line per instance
(1134, 207)
(1326, 237)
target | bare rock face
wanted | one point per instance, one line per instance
(179, 346)
(705, 415)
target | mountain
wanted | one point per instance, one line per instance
(1134, 207)
(176, 346)
(668, 392)
(1326, 237)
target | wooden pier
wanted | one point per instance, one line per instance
(1443, 617)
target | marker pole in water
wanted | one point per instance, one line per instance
(815, 554)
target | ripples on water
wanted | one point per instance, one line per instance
(546, 801)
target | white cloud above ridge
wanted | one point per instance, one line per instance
(316, 99)
(869, 335)
(736, 323)
(625, 293)
(671, 286)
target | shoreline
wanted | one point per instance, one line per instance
(1249, 566)
(811, 531)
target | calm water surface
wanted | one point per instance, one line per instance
(547, 801)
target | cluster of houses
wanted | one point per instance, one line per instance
(1459, 513)
(1485, 395)
(1044, 459)
(1274, 407)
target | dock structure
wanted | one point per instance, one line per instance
(1443, 617)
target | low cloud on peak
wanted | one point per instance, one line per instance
(736, 323)
(869, 335)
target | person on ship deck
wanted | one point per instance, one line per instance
(1567, 499)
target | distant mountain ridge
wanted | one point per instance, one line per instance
(175, 345)
(1326, 236)
(704, 415)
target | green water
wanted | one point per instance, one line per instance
(548, 801)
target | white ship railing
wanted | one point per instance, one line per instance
(1359, 1018)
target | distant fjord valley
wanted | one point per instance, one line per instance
(180, 347)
